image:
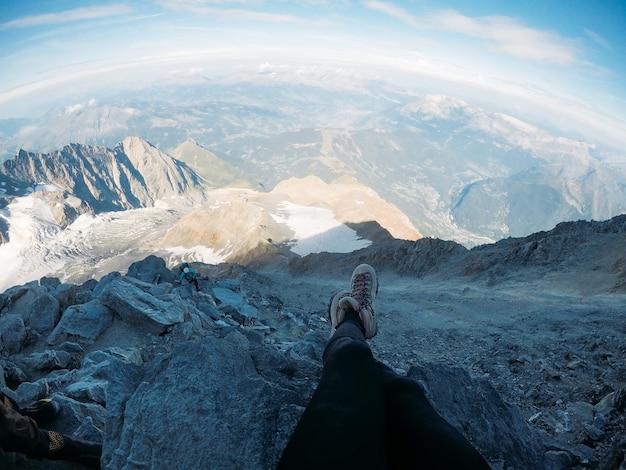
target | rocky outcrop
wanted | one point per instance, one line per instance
(133, 174)
(569, 250)
(168, 377)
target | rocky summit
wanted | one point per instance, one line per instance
(520, 345)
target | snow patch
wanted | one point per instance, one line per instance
(316, 230)
(198, 253)
(52, 188)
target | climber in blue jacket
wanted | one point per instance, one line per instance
(187, 273)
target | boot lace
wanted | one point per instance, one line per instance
(361, 290)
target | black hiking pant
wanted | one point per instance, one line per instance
(363, 415)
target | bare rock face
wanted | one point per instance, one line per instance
(80, 178)
(418, 258)
(474, 406)
(160, 175)
(4, 231)
(220, 401)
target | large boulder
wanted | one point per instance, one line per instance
(476, 409)
(139, 308)
(152, 270)
(12, 333)
(194, 408)
(82, 323)
(44, 313)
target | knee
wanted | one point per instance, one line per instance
(401, 388)
(345, 348)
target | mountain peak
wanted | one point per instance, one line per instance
(215, 171)
(90, 179)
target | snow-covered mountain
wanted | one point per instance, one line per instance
(131, 175)
(80, 203)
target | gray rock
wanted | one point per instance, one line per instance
(88, 390)
(82, 323)
(225, 296)
(269, 361)
(66, 294)
(98, 358)
(557, 460)
(140, 309)
(73, 413)
(199, 395)
(288, 417)
(13, 373)
(44, 314)
(18, 299)
(47, 360)
(475, 408)
(71, 347)
(229, 298)
(219, 399)
(29, 392)
(152, 270)
(104, 282)
(208, 307)
(84, 293)
(50, 283)
(229, 283)
(612, 403)
(12, 332)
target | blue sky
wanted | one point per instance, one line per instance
(562, 62)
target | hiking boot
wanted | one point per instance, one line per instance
(336, 313)
(42, 411)
(363, 290)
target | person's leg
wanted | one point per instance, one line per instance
(416, 436)
(19, 433)
(343, 425)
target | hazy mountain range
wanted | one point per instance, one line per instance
(457, 171)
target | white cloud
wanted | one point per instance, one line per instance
(502, 34)
(209, 8)
(68, 16)
(595, 37)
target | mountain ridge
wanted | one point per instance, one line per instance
(269, 236)
(582, 257)
(133, 174)
(217, 172)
